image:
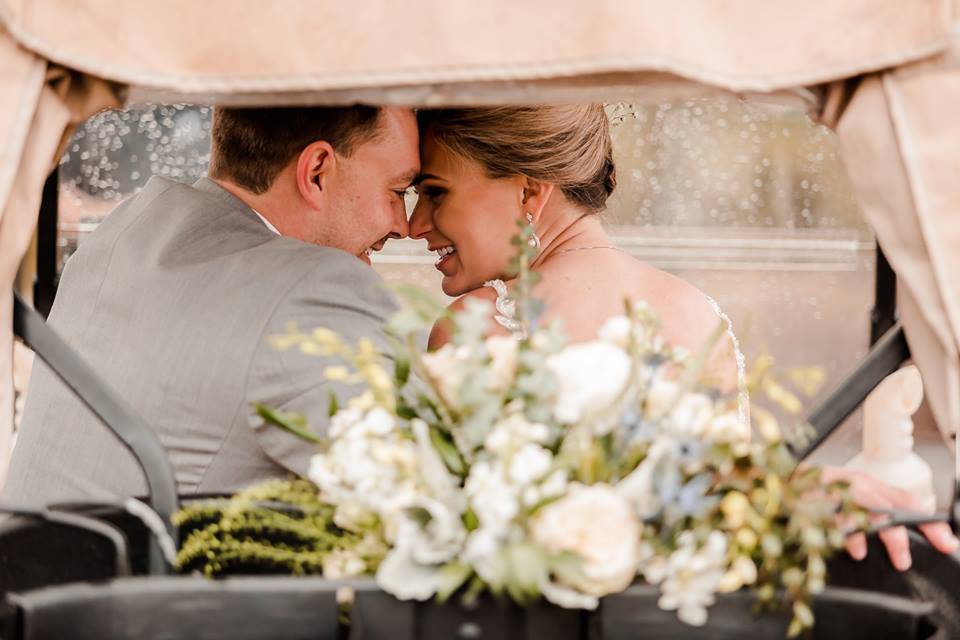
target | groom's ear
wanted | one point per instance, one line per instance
(535, 196)
(315, 165)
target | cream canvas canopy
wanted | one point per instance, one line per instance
(884, 73)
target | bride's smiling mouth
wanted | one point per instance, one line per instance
(444, 255)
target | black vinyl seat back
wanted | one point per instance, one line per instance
(933, 577)
(287, 608)
(36, 553)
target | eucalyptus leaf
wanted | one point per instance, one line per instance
(333, 405)
(448, 452)
(295, 423)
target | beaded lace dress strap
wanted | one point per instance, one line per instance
(506, 315)
(743, 397)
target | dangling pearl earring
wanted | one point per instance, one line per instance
(534, 239)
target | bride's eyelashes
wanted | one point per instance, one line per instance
(430, 192)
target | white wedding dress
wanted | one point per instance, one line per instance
(506, 318)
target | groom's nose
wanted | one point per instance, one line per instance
(401, 228)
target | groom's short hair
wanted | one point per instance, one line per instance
(249, 147)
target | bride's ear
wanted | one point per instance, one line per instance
(315, 165)
(535, 196)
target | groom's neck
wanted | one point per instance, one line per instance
(272, 204)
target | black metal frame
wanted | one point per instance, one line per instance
(116, 414)
(884, 358)
(45, 284)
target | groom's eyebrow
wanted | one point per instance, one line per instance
(407, 178)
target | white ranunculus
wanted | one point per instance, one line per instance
(596, 523)
(353, 516)
(589, 377)
(691, 414)
(616, 331)
(726, 427)
(343, 421)
(378, 422)
(531, 462)
(513, 432)
(371, 465)
(503, 362)
(660, 395)
(494, 501)
(692, 577)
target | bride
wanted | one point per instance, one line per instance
(485, 169)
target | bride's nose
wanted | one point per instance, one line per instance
(420, 222)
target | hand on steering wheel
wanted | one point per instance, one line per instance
(870, 493)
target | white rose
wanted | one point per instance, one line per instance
(616, 331)
(589, 377)
(598, 524)
(503, 362)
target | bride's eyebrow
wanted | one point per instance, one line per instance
(425, 176)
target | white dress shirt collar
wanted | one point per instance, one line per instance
(266, 222)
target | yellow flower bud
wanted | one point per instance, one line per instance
(730, 582)
(337, 374)
(747, 539)
(735, 506)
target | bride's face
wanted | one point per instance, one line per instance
(466, 217)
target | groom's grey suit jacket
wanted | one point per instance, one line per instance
(171, 300)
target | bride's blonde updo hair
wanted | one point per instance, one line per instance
(567, 145)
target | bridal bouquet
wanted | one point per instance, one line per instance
(535, 468)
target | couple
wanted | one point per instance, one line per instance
(172, 297)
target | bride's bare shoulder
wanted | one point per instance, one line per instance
(689, 318)
(442, 331)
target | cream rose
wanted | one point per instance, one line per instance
(598, 524)
(589, 377)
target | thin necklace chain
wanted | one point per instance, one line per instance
(599, 246)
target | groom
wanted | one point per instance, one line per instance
(172, 298)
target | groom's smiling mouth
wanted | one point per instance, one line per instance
(369, 251)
